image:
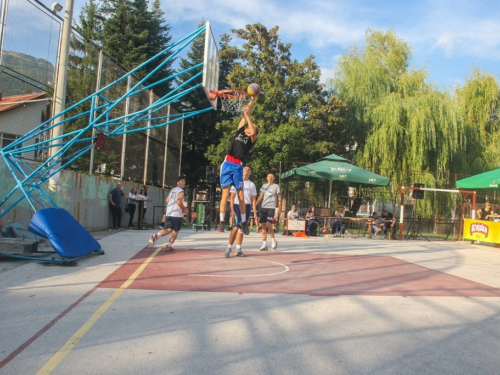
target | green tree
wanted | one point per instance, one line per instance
(477, 105)
(407, 129)
(364, 77)
(297, 120)
(132, 34)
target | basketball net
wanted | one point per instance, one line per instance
(232, 101)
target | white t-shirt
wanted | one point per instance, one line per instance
(173, 208)
(133, 196)
(249, 190)
(144, 198)
(293, 215)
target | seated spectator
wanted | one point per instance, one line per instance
(293, 214)
(389, 222)
(485, 214)
(374, 226)
(312, 222)
(337, 223)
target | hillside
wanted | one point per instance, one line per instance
(21, 73)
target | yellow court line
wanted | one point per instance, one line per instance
(70, 344)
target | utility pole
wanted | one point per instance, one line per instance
(61, 83)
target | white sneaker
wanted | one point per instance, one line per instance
(263, 248)
(228, 252)
(275, 246)
(153, 239)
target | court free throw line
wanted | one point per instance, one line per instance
(286, 269)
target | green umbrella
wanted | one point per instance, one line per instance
(486, 180)
(337, 170)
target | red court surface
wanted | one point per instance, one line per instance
(291, 273)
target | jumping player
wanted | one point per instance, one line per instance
(173, 214)
(231, 170)
(250, 193)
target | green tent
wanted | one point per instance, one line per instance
(337, 170)
(486, 180)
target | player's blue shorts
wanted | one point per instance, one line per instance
(231, 174)
(237, 213)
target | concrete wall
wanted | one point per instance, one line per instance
(83, 196)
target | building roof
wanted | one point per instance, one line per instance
(11, 102)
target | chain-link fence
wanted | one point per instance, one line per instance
(28, 63)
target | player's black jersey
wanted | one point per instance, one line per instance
(240, 145)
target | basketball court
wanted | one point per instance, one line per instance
(317, 305)
(206, 270)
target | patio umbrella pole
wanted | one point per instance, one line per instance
(330, 195)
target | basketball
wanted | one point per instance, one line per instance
(253, 89)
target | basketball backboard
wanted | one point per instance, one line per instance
(210, 65)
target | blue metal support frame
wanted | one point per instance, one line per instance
(29, 179)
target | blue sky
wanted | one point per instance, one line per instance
(447, 37)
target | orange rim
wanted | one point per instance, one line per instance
(227, 93)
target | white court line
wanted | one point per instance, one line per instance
(261, 260)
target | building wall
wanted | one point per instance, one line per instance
(21, 120)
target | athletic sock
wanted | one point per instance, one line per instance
(159, 234)
(243, 218)
(264, 243)
(169, 243)
(221, 215)
(238, 247)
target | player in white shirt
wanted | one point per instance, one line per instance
(174, 214)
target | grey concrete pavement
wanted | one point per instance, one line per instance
(131, 331)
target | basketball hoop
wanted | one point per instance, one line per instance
(232, 101)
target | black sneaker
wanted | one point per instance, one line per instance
(244, 226)
(220, 228)
(240, 254)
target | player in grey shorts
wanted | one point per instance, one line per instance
(270, 209)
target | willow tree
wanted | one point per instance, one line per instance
(364, 77)
(403, 127)
(297, 120)
(477, 105)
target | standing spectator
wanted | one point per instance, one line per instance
(173, 215)
(115, 203)
(250, 192)
(143, 195)
(131, 206)
(337, 223)
(270, 209)
(389, 221)
(231, 171)
(312, 222)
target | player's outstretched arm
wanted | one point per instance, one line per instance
(252, 129)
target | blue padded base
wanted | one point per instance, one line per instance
(67, 236)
